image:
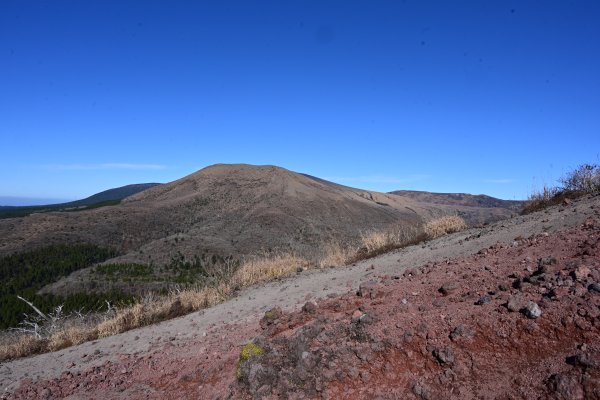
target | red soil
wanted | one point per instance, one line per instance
(439, 331)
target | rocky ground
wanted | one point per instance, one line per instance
(508, 312)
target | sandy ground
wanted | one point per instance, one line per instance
(168, 360)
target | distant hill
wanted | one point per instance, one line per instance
(105, 198)
(459, 199)
(112, 194)
(475, 209)
(232, 210)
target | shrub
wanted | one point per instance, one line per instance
(248, 352)
(444, 225)
(583, 180)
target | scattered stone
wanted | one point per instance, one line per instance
(357, 315)
(370, 290)
(581, 273)
(420, 391)
(558, 292)
(514, 303)
(594, 288)
(448, 288)
(460, 331)
(566, 387)
(310, 307)
(439, 302)
(443, 355)
(270, 317)
(542, 262)
(532, 310)
(483, 300)
(583, 360)
(517, 284)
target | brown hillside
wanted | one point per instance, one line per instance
(230, 209)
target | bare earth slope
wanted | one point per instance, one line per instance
(402, 337)
(228, 210)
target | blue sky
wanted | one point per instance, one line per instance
(495, 97)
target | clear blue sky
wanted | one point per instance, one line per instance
(495, 97)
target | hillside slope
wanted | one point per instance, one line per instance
(402, 337)
(113, 194)
(230, 210)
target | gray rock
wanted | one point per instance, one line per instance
(444, 355)
(420, 391)
(438, 303)
(460, 331)
(310, 307)
(448, 288)
(532, 310)
(370, 289)
(483, 300)
(514, 303)
(594, 288)
(566, 387)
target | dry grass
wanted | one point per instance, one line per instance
(263, 269)
(377, 242)
(70, 337)
(154, 309)
(21, 346)
(254, 270)
(336, 255)
(444, 225)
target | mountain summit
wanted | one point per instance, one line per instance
(231, 210)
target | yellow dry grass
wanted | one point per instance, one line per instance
(22, 346)
(263, 269)
(376, 241)
(70, 337)
(336, 255)
(444, 225)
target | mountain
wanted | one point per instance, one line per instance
(113, 194)
(231, 210)
(107, 197)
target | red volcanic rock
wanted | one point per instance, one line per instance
(395, 340)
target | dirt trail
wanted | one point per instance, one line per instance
(218, 332)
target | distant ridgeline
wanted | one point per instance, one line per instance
(109, 197)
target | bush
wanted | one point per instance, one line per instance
(586, 179)
(583, 180)
(444, 225)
